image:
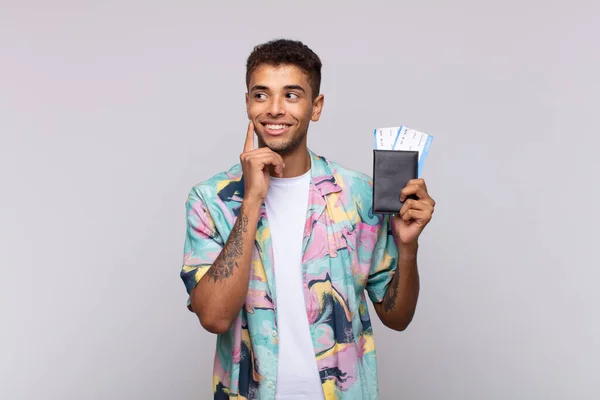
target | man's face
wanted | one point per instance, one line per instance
(279, 102)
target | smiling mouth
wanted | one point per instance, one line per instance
(276, 129)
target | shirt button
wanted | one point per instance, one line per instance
(270, 385)
(274, 333)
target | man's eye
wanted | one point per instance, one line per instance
(293, 95)
(258, 96)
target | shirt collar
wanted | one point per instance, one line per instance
(322, 174)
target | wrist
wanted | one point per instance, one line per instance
(252, 204)
(408, 250)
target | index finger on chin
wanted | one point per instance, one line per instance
(249, 144)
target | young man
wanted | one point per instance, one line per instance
(281, 248)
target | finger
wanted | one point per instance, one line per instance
(262, 160)
(413, 204)
(260, 150)
(422, 192)
(418, 181)
(265, 153)
(249, 144)
(408, 191)
(416, 215)
(416, 205)
(414, 187)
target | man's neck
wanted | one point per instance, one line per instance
(296, 163)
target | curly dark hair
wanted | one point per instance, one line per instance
(291, 52)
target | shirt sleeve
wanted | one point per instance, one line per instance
(202, 243)
(384, 260)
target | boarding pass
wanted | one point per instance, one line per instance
(403, 138)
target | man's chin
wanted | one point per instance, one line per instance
(281, 147)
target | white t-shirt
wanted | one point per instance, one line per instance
(286, 205)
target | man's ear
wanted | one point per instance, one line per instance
(317, 107)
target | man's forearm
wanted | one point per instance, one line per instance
(221, 292)
(400, 300)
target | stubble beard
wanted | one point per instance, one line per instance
(287, 147)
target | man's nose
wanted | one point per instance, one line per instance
(276, 107)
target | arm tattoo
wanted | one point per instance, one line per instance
(389, 298)
(226, 262)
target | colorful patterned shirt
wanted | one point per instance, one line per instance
(347, 250)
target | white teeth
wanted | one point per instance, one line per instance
(275, 127)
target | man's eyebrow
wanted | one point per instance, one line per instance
(258, 87)
(295, 87)
(286, 87)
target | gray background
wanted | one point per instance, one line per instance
(110, 111)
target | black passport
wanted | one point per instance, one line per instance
(392, 169)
